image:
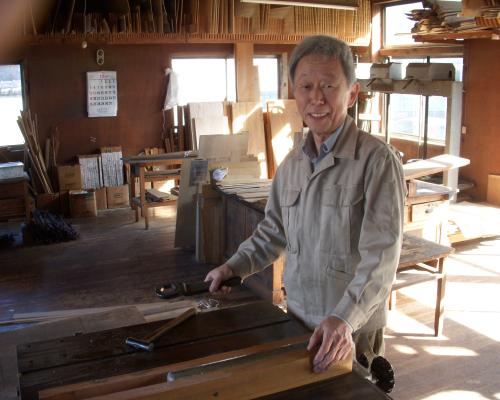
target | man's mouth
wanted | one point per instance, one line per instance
(318, 115)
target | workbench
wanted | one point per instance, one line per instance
(138, 168)
(104, 355)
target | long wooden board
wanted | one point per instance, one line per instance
(443, 162)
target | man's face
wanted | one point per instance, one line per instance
(322, 94)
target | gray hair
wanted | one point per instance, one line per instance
(327, 46)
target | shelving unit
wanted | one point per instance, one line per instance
(194, 21)
(451, 90)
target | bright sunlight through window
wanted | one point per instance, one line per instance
(11, 103)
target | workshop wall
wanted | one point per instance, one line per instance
(56, 87)
(481, 142)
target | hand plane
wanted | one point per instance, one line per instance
(189, 288)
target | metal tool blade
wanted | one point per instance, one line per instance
(231, 362)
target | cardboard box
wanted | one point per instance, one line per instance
(101, 199)
(493, 190)
(48, 202)
(69, 177)
(117, 196)
(82, 203)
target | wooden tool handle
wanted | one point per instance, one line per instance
(200, 287)
(170, 324)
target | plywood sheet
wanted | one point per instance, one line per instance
(284, 121)
(224, 147)
(247, 117)
(210, 125)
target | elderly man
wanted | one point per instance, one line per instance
(335, 208)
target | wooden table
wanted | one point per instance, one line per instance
(104, 354)
(422, 261)
(137, 167)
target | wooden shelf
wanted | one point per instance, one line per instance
(457, 37)
(167, 38)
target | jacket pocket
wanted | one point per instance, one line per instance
(342, 213)
(288, 203)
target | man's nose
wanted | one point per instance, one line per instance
(316, 95)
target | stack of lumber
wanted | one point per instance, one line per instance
(29, 129)
(439, 17)
(250, 190)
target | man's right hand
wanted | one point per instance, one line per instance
(218, 275)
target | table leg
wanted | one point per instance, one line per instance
(143, 205)
(441, 285)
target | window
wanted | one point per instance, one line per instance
(268, 78)
(205, 79)
(406, 113)
(11, 103)
(396, 25)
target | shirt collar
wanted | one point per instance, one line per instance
(309, 147)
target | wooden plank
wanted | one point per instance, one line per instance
(247, 86)
(493, 190)
(284, 121)
(224, 147)
(433, 165)
(247, 117)
(248, 381)
(210, 125)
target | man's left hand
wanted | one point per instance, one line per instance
(334, 339)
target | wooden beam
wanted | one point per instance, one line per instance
(247, 78)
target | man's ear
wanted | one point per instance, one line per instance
(353, 93)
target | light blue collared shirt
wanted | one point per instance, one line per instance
(327, 146)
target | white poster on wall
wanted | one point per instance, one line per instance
(102, 94)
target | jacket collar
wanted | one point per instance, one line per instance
(345, 146)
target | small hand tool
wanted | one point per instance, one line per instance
(189, 288)
(147, 343)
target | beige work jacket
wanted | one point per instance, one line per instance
(341, 228)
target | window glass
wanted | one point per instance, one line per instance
(11, 103)
(205, 79)
(436, 125)
(363, 70)
(268, 78)
(397, 26)
(404, 114)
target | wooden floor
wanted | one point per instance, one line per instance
(116, 262)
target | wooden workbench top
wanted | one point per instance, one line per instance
(104, 354)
